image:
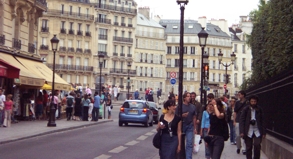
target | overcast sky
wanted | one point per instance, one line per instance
(216, 9)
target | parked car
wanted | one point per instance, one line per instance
(136, 111)
(155, 109)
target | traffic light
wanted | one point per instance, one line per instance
(206, 71)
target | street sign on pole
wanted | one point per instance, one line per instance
(172, 74)
(172, 81)
(225, 86)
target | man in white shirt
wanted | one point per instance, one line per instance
(252, 127)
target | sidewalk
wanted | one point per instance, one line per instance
(229, 152)
(29, 129)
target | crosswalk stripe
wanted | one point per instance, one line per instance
(102, 157)
(131, 143)
(142, 137)
(118, 149)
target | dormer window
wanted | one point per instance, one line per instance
(190, 26)
(175, 27)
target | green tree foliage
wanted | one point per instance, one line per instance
(271, 40)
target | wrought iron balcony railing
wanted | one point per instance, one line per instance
(44, 29)
(71, 32)
(71, 67)
(123, 24)
(103, 52)
(116, 23)
(103, 20)
(122, 39)
(80, 33)
(44, 47)
(130, 25)
(16, 43)
(122, 54)
(79, 50)
(115, 54)
(88, 33)
(115, 8)
(103, 37)
(31, 48)
(122, 71)
(62, 48)
(69, 14)
(129, 55)
(63, 31)
(70, 49)
(88, 51)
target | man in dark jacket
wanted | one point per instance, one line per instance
(159, 93)
(252, 127)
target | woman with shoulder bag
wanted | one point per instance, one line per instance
(171, 132)
(215, 139)
(8, 104)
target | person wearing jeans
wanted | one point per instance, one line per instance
(189, 123)
(205, 125)
(216, 133)
(230, 120)
(96, 109)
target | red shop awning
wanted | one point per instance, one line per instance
(7, 70)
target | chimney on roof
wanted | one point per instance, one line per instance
(145, 11)
(157, 18)
(243, 19)
(203, 21)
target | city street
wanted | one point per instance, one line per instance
(98, 141)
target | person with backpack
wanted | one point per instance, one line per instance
(252, 127)
(218, 129)
(69, 101)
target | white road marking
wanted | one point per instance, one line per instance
(142, 137)
(118, 149)
(149, 134)
(102, 157)
(131, 143)
(154, 130)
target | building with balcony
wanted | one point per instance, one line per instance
(149, 54)
(242, 67)
(115, 33)
(74, 24)
(217, 40)
(23, 73)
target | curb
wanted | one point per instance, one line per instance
(53, 131)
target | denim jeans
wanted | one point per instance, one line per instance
(95, 113)
(232, 132)
(207, 150)
(189, 134)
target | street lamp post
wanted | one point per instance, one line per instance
(233, 57)
(202, 36)
(206, 74)
(101, 60)
(182, 4)
(128, 80)
(51, 122)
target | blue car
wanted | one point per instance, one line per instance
(135, 111)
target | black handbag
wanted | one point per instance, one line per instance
(157, 139)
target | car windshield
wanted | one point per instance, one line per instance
(133, 104)
(152, 104)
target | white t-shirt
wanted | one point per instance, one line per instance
(3, 97)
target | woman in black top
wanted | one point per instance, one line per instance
(108, 106)
(171, 132)
(216, 133)
(77, 107)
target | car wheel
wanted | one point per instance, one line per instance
(120, 123)
(146, 124)
(126, 124)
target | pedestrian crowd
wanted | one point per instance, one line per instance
(240, 120)
(77, 106)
